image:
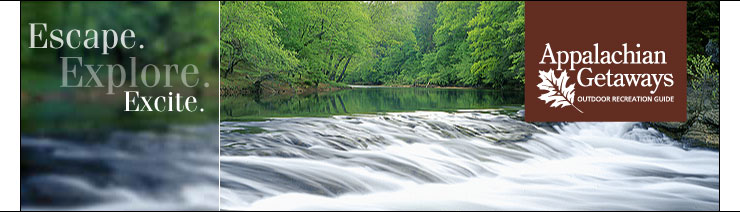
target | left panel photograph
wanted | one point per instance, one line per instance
(119, 106)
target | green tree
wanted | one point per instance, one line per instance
(248, 39)
(497, 39)
(393, 45)
(327, 37)
(424, 29)
(453, 52)
(704, 78)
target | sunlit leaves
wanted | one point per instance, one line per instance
(248, 39)
(497, 38)
(379, 42)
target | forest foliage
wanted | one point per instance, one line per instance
(474, 44)
(450, 43)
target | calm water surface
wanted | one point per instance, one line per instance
(367, 100)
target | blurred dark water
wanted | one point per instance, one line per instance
(167, 169)
(79, 154)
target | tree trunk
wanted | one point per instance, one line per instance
(231, 66)
(340, 62)
(335, 71)
(341, 76)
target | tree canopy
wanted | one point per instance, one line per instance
(469, 43)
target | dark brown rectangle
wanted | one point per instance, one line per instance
(578, 27)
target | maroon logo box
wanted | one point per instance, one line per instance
(605, 61)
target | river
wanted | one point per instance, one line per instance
(92, 156)
(453, 149)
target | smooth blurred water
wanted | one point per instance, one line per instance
(173, 169)
(466, 160)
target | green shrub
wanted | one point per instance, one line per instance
(704, 78)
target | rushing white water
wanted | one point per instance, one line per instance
(459, 161)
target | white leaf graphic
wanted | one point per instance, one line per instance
(557, 89)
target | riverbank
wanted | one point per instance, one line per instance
(240, 84)
(409, 86)
(701, 128)
(419, 86)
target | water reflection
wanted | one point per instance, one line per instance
(366, 100)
